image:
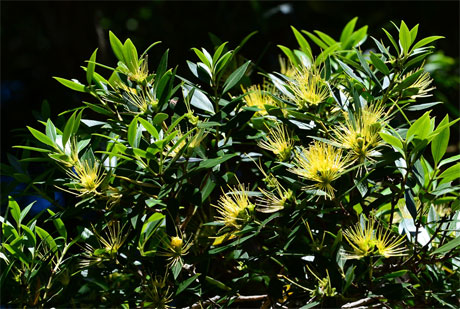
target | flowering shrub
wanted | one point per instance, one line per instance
(324, 185)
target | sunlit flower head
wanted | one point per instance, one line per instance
(321, 163)
(278, 141)
(174, 249)
(115, 236)
(157, 293)
(308, 86)
(256, 96)
(88, 177)
(234, 207)
(273, 201)
(388, 245)
(422, 84)
(141, 100)
(366, 239)
(361, 135)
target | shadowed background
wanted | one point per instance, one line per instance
(44, 39)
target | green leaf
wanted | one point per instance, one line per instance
(348, 30)
(199, 99)
(130, 55)
(132, 133)
(393, 141)
(291, 56)
(117, 46)
(41, 137)
(217, 283)
(303, 43)
(51, 130)
(404, 38)
(413, 34)
(379, 64)
(159, 118)
(184, 284)
(202, 57)
(68, 129)
(235, 77)
(99, 109)
(315, 39)
(420, 128)
(311, 305)
(440, 142)
(350, 72)
(426, 41)
(326, 38)
(59, 224)
(392, 40)
(328, 51)
(450, 174)
(210, 163)
(26, 210)
(91, 67)
(447, 247)
(15, 210)
(46, 237)
(150, 128)
(71, 84)
(218, 52)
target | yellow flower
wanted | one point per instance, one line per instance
(321, 163)
(234, 207)
(362, 136)
(422, 84)
(142, 100)
(175, 249)
(367, 240)
(255, 96)
(157, 293)
(88, 177)
(387, 245)
(308, 87)
(273, 202)
(278, 141)
(361, 239)
(108, 246)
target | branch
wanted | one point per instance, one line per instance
(239, 298)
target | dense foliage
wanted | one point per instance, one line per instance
(324, 185)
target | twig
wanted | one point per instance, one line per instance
(239, 298)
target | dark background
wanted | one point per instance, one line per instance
(49, 38)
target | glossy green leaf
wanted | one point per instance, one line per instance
(379, 64)
(404, 37)
(132, 133)
(41, 137)
(455, 243)
(348, 30)
(426, 41)
(235, 77)
(440, 142)
(59, 224)
(159, 118)
(210, 163)
(15, 210)
(91, 67)
(392, 140)
(184, 284)
(149, 127)
(46, 237)
(420, 128)
(71, 84)
(117, 46)
(392, 40)
(303, 43)
(130, 56)
(198, 98)
(450, 174)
